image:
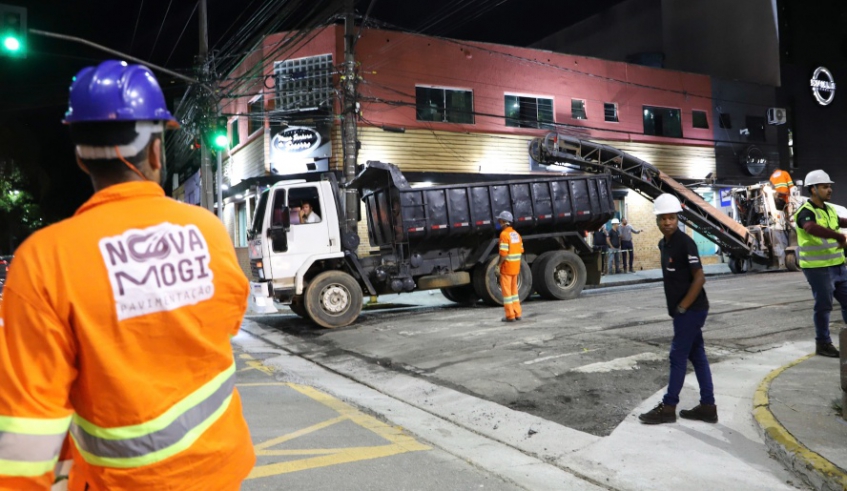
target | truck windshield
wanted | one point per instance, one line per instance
(259, 217)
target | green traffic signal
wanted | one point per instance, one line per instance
(11, 43)
(221, 140)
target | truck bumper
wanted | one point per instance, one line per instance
(261, 298)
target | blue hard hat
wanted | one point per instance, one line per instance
(116, 91)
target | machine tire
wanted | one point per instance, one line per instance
(559, 276)
(462, 295)
(487, 285)
(737, 265)
(791, 263)
(333, 299)
(298, 307)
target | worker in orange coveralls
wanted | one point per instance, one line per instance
(511, 249)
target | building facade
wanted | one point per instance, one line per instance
(454, 111)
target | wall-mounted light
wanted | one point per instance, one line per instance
(393, 129)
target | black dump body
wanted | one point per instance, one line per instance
(442, 217)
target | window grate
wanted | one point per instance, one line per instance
(304, 84)
(610, 111)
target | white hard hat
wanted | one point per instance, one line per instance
(506, 216)
(666, 203)
(615, 221)
(817, 177)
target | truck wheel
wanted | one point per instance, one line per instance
(486, 282)
(298, 307)
(463, 295)
(333, 299)
(791, 262)
(559, 276)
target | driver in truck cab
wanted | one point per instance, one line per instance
(307, 214)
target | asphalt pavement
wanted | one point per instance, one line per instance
(551, 403)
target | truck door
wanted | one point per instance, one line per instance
(302, 209)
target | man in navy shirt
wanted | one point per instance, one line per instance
(687, 304)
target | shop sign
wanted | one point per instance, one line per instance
(823, 86)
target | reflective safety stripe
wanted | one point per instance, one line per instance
(30, 448)
(26, 469)
(34, 426)
(513, 257)
(837, 255)
(504, 246)
(153, 441)
(828, 243)
(511, 299)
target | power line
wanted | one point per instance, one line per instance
(135, 30)
(160, 29)
(190, 16)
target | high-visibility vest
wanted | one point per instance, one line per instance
(511, 247)
(817, 252)
(782, 182)
(116, 327)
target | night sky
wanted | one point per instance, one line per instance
(34, 91)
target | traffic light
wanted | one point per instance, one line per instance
(219, 137)
(12, 31)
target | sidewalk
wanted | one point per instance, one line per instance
(794, 407)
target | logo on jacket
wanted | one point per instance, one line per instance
(157, 269)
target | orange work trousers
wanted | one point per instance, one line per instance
(511, 299)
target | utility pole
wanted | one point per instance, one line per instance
(350, 114)
(207, 195)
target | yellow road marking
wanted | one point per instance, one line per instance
(324, 457)
(257, 365)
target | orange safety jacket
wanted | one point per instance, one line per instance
(116, 329)
(511, 247)
(782, 182)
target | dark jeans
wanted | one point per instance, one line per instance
(827, 283)
(687, 345)
(626, 250)
(614, 255)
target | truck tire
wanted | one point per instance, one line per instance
(559, 276)
(486, 282)
(298, 307)
(333, 299)
(462, 295)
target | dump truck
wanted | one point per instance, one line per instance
(760, 236)
(421, 238)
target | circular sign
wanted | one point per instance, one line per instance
(823, 86)
(297, 139)
(753, 161)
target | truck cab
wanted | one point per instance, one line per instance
(284, 242)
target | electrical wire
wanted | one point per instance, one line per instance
(162, 25)
(135, 30)
(190, 16)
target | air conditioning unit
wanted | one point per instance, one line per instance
(777, 115)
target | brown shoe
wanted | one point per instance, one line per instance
(659, 414)
(701, 412)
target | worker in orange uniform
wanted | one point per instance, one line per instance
(782, 183)
(511, 249)
(117, 321)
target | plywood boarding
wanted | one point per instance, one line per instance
(690, 195)
(443, 151)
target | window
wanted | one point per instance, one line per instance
(302, 200)
(444, 105)
(578, 109)
(725, 121)
(255, 116)
(241, 224)
(529, 112)
(662, 121)
(699, 120)
(233, 134)
(304, 84)
(756, 127)
(610, 109)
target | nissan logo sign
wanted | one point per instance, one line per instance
(297, 139)
(823, 86)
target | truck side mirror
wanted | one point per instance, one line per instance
(286, 218)
(279, 239)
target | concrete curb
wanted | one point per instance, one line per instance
(822, 474)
